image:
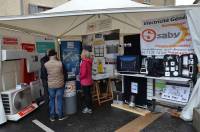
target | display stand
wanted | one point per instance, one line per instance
(97, 95)
(32, 59)
(155, 98)
(136, 110)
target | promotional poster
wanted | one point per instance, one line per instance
(168, 35)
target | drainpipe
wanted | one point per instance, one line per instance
(21, 7)
(165, 2)
(1, 65)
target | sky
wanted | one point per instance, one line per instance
(184, 2)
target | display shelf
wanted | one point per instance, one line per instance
(177, 79)
(159, 99)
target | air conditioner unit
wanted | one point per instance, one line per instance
(12, 54)
(36, 89)
(32, 62)
(16, 99)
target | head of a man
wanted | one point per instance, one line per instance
(52, 52)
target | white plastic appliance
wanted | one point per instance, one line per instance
(32, 62)
(36, 89)
(3, 118)
(16, 100)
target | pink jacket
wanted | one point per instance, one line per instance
(86, 72)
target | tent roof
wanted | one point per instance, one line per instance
(77, 5)
(61, 24)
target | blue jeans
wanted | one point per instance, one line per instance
(53, 94)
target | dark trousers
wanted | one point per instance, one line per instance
(88, 96)
(46, 94)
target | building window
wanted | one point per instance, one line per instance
(36, 8)
(147, 1)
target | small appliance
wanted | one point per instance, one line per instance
(155, 66)
(189, 65)
(171, 63)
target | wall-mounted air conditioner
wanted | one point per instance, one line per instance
(32, 62)
(16, 100)
(36, 89)
(12, 54)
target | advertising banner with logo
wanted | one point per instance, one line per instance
(168, 35)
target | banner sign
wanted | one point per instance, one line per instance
(70, 55)
(168, 35)
(10, 41)
(42, 47)
(28, 47)
(99, 25)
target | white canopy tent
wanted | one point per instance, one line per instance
(72, 18)
(80, 5)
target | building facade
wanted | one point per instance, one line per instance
(158, 2)
(196, 2)
(25, 7)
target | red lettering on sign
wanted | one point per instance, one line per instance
(26, 110)
(10, 41)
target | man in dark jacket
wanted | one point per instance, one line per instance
(43, 76)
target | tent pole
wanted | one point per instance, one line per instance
(1, 66)
(57, 47)
(60, 36)
(122, 21)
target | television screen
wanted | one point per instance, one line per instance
(128, 64)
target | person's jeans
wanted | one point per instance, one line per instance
(56, 93)
(88, 96)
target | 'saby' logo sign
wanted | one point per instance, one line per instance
(166, 36)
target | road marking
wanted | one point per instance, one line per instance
(41, 125)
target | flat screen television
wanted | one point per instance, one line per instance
(128, 64)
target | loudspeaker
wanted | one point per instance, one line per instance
(155, 67)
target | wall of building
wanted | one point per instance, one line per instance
(163, 2)
(158, 2)
(47, 3)
(21, 7)
(10, 7)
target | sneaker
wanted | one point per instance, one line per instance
(84, 111)
(87, 110)
(62, 118)
(52, 119)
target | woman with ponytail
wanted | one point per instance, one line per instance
(86, 79)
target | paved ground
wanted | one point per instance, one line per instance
(104, 119)
(166, 123)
